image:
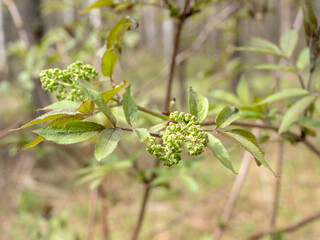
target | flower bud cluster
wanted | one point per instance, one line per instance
(59, 80)
(183, 128)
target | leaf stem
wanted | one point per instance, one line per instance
(142, 109)
(131, 130)
(181, 20)
(296, 137)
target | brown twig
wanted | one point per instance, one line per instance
(191, 210)
(234, 194)
(131, 130)
(104, 211)
(203, 36)
(287, 229)
(6, 131)
(92, 213)
(17, 20)
(276, 198)
(208, 28)
(295, 136)
(137, 228)
(181, 21)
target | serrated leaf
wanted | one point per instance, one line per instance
(198, 105)
(226, 116)
(260, 50)
(118, 30)
(287, 93)
(98, 100)
(142, 134)
(45, 118)
(108, 62)
(246, 141)
(275, 67)
(107, 95)
(294, 112)
(303, 58)
(73, 132)
(129, 106)
(97, 4)
(219, 151)
(225, 96)
(288, 41)
(86, 107)
(62, 121)
(33, 143)
(107, 142)
(62, 105)
(243, 91)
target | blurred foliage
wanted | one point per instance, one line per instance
(212, 71)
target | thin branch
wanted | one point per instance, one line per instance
(295, 136)
(203, 36)
(276, 199)
(208, 28)
(191, 210)
(131, 130)
(17, 20)
(104, 211)
(287, 229)
(143, 109)
(92, 213)
(181, 21)
(234, 194)
(243, 124)
(155, 114)
(141, 213)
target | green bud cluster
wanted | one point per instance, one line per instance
(55, 79)
(183, 128)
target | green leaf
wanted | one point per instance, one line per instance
(263, 43)
(288, 41)
(33, 143)
(107, 95)
(97, 4)
(62, 121)
(247, 141)
(261, 50)
(108, 62)
(303, 59)
(189, 182)
(107, 142)
(225, 96)
(45, 118)
(243, 91)
(287, 93)
(294, 112)
(219, 151)
(98, 100)
(275, 67)
(226, 116)
(86, 107)
(73, 132)
(142, 134)
(62, 105)
(118, 30)
(129, 107)
(198, 105)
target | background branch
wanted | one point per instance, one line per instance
(290, 228)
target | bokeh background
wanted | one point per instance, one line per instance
(47, 192)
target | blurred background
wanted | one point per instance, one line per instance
(50, 191)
